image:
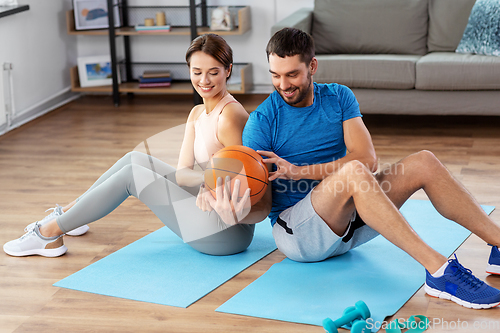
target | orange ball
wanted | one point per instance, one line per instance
(238, 162)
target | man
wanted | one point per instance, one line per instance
(324, 202)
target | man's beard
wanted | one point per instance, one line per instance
(303, 92)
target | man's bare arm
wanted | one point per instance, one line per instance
(359, 145)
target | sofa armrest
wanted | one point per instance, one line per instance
(301, 19)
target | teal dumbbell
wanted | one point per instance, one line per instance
(353, 316)
(360, 326)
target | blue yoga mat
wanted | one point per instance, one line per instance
(160, 268)
(379, 273)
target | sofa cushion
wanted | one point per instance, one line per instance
(370, 26)
(368, 71)
(455, 71)
(447, 22)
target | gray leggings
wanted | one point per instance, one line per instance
(153, 182)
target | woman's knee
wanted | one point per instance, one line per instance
(135, 178)
(127, 157)
(137, 157)
(125, 177)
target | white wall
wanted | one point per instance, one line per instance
(41, 51)
(249, 47)
(36, 43)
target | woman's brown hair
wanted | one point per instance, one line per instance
(213, 45)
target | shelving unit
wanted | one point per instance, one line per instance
(178, 87)
(184, 20)
(243, 16)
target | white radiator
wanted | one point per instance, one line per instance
(3, 119)
(7, 94)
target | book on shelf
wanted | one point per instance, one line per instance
(154, 79)
(152, 28)
(155, 74)
(154, 85)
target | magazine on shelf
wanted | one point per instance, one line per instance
(154, 79)
(155, 74)
(154, 85)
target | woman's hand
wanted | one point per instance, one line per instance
(285, 169)
(230, 210)
(201, 199)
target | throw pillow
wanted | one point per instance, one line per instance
(482, 34)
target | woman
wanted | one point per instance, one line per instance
(216, 123)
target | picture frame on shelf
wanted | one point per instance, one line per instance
(221, 19)
(93, 14)
(95, 71)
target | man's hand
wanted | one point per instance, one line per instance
(285, 169)
(230, 210)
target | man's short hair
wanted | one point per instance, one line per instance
(288, 42)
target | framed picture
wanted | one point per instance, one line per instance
(221, 19)
(95, 71)
(93, 14)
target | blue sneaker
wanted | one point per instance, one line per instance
(494, 261)
(457, 284)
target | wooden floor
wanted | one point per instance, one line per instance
(58, 156)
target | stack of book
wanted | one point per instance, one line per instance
(151, 79)
(152, 28)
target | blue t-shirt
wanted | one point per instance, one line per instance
(302, 136)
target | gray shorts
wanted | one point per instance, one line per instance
(302, 235)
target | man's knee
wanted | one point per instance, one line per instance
(351, 177)
(427, 160)
(355, 168)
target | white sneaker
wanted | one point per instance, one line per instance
(78, 231)
(33, 243)
(57, 211)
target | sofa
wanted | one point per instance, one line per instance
(398, 56)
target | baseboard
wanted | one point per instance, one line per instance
(49, 104)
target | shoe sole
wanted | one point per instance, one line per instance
(444, 295)
(493, 269)
(78, 231)
(51, 253)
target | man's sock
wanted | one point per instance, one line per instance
(440, 271)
